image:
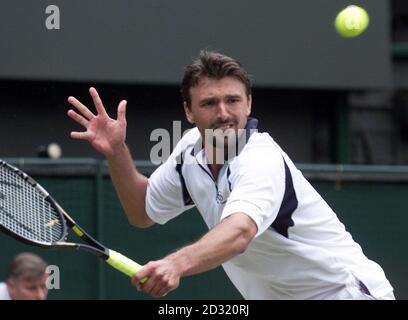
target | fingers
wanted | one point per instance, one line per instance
(82, 121)
(78, 118)
(88, 115)
(154, 288)
(80, 135)
(160, 279)
(161, 293)
(97, 101)
(122, 111)
(81, 108)
(144, 272)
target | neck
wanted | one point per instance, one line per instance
(215, 169)
(217, 161)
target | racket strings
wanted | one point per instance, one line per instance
(24, 210)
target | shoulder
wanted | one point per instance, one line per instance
(260, 158)
(189, 139)
(260, 139)
(177, 156)
(4, 295)
(260, 148)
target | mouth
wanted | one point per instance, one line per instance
(224, 127)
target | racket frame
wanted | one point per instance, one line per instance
(113, 258)
(92, 246)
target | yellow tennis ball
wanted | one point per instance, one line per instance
(351, 21)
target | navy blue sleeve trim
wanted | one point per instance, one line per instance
(289, 204)
(186, 195)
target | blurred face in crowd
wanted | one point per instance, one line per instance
(25, 287)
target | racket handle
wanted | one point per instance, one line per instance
(124, 264)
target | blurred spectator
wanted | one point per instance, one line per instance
(26, 279)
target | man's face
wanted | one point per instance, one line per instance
(26, 288)
(220, 105)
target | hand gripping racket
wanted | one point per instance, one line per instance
(29, 214)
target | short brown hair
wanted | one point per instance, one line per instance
(28, 265)
(212, 65)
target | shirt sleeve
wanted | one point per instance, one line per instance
(164, 195)
(258, 186)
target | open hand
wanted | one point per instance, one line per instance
(104, 133)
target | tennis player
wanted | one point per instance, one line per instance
(274, 235)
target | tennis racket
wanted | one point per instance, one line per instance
(29, 214)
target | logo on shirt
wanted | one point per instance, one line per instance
(219, 198)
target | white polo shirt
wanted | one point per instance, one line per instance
(301, 249)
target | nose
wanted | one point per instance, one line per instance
(222, 111)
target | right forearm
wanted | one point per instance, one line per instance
(108, 136)
(130, 186)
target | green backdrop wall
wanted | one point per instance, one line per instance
(370, 201)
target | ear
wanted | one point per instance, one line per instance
(11, 287)
(249, 105)
(189, 114)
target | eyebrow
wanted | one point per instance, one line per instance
(213, 99)
(234, 96)
(208, 100)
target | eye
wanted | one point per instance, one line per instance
(233, 100)
(207, 103)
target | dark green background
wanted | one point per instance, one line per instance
(374, 212)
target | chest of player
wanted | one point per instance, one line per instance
(209, 194)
